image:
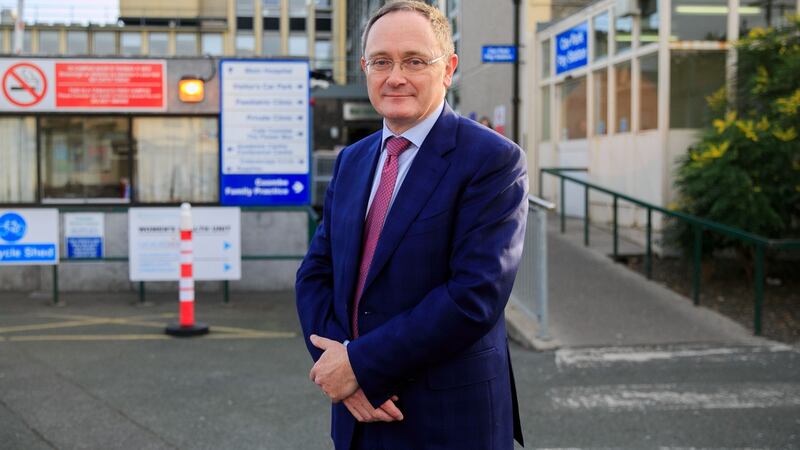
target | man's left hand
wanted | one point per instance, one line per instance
(332, 372)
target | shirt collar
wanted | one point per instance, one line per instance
(418, 132)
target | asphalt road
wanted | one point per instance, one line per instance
(100, 374)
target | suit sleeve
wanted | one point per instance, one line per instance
(314, 283)
(486, 250)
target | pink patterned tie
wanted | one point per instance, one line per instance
(377, 214)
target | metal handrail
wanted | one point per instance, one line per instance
(699, 224)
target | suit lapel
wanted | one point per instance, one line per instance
(353, 191)
(424, 175)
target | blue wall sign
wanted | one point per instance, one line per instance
(265, 142)
(28, 236)
(499, 54)
(572, 49)
(84, 247)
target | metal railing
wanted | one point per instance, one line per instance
(760, 243)
(530, 286)
(313, 219)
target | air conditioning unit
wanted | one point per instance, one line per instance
(624, 8)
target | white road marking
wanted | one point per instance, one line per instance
(673, 397)
(593, 357)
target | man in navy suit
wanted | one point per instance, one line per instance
(402, 292)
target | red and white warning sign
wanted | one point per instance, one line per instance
(24, 84)
(58, 85)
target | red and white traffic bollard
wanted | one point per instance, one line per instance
(186, 325)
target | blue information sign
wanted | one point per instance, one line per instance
(571, 49)
(265, 133)
(499, 54)
(28, 236)
(85, 247)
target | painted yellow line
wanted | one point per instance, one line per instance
(141, 337)
(50, 326)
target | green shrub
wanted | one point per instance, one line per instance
(745, 170)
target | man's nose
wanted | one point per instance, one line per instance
(396, 76)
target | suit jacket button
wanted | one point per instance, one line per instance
(366, 313)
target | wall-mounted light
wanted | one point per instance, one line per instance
(191, 90)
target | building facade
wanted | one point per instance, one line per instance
(619, 87)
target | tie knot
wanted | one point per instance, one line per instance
(396, 145)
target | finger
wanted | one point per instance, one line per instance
(392, 410)
(320, 342)
(381, 415)
(353, 410)
(395, 398)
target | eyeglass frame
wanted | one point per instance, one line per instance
(368, 63)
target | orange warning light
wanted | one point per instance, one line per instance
(190, 90)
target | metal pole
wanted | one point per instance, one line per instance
(698, 251)
(563, 207)
(759, 284)
(540, 271)
(616, 232)
(55, 284)
(226, 291)
(19, 27)
(141, 292)
(515, 76)
(586, 215)
(648, 261)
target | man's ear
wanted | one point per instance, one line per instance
(363, 65)
(450, 69)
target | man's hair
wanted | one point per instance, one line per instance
(439, 23)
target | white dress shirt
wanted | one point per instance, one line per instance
(416, 135)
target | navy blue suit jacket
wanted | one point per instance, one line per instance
(431, 322)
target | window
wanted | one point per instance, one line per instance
(622, 79)
(298, 45)
(2, 43)
(753, 13)
(323, 24)
(104, 43)
(600, 102)
(600, 24)
(27, 46)
(84, 158)
(130, 43)
(298, 8)
(545, 114)
(245, 43)
(159, 44)
(18, 160)
(546, 59)
(573, 109)
(624, 33)
(323, 55)
(48, 42)
(176, 159)
(271, 7)
(297, 24)
(186, 44)
(77, 42)
(693, 76)
(648, 92)
(649, 22)
(245, 8)
(700, 20)
(212, 44)
(271, 44)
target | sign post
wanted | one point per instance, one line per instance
(265, 133)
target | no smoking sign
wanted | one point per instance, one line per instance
(24, 84)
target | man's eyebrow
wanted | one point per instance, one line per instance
(408, 54)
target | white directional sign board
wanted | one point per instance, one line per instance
(28, 237)
(265, 141)
(154, 243)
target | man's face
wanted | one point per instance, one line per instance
(404, 99)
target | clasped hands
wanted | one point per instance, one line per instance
(334, 375)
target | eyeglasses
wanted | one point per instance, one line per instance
(413, 64)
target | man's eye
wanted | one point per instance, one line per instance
(415, 62)
(382, 63)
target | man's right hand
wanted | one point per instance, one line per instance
(362, 410)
